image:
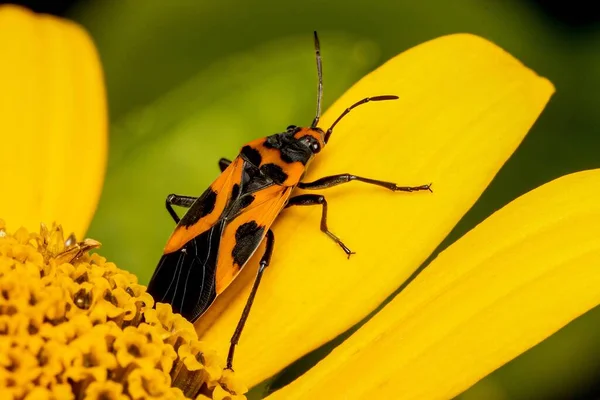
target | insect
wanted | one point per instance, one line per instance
(223, 227)
(53, 246)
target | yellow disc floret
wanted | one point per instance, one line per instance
(75, 326)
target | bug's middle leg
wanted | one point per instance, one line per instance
(334, 180)
(315, 200)
(178, 200)
(264, 263)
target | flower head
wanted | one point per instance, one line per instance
(71, 322)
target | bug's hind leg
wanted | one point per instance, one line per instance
(178, 200)
(315, 200)
(334, 180)
(223, 164)
(264, 263)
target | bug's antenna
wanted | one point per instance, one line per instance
(358, 103)
(320, 87)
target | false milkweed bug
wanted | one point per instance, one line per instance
(223, 227)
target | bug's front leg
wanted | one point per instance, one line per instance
(178, 200)
(315, 200)
(264, 263)
(334, 180)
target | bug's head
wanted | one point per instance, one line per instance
(312, 139)
(297, 143)
(315, 131)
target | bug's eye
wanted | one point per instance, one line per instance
(312, 144)
(315, 147)
(291, 127)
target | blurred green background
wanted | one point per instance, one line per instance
(190, 81)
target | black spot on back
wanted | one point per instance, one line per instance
(201, 208)
(237, 202)
(295, 152)
(246, 200)
(235, 191)
(257, 183)
(247, 239)
(253, 180)
(290, 148)
(248, 173)
(251, 155)
(273, 141)
(275, 172)
(238, 205)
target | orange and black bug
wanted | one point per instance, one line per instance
(225, 225)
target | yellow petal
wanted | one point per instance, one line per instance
(53, 122)
(465, 105)
(511, 282)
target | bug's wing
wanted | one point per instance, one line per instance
(244, 233)
(208, 209)
(185, 278)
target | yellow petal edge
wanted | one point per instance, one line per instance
(53, 121)
(508, 284)
(465, 105)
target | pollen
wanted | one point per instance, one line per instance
(73, 325)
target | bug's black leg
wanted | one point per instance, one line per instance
(335, 180)
(223, 164)
(177, 200)
(264, 263)
(313, 200)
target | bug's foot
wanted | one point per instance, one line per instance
(412, 188)
(345, 248)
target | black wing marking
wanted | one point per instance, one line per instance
(203, 206)
(186, 278)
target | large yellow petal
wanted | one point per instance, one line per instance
(53, 122)
(465, 105)
(511, 282)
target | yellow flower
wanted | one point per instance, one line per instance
(105, 391)
(71, 323)
(55, 341)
